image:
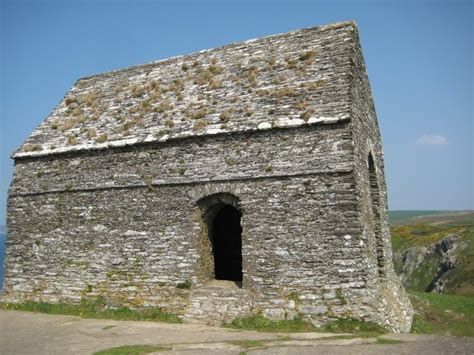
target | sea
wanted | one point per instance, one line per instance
(3, 238)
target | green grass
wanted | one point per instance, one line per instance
(442, 314)
(398, 242)
(248, 344)
(94, 309)
(355, 327)
(297, 325)
(386, 341)
(260, 323)
(132, 350)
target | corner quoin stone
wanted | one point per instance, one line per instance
(117, 193)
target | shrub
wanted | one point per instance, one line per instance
(197, 115)
(307, 55)
(307, 114)
(71, 139)
(315, 85)
(70, 100)
(145, 105)
(91, 133)
(283, 92)
(137, 91)
(225, 115)
(204, 77)
(248, 111)
(251, 75)
(163, 106)
(291, 63)
(32, 147)
(216, 69)
(186, 285)
(102, 138)
(214, 84)
(301, 105)
(230, 161)
(199, 125)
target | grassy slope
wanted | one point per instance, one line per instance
(443, 314)
(436, 313)
(406, 234)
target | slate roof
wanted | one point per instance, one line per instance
(286, 80)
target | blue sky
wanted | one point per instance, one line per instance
(419, 56)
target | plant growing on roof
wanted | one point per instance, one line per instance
(225, 115)
(91, 133)
(251, 75)
(249, 111)
(102, 138)
(214, 84)
(301, 105)
(198, 114)
(137, 91)
(29, 147)
(199, 125)
(307, 114)
(291, 63)
(315, 85)
(163, 106)
(71, 139)
(283, 92)
(215, 69)
(307, 55)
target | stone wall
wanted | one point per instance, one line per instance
(303, 150)
(138, 245)
(135, 246)
(395, 308)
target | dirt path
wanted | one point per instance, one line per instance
(35, 333)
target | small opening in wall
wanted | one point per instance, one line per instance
(219, 241)
(375, 201)
(227, 244)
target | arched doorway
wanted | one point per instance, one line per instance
(227, 244)
(220, 239)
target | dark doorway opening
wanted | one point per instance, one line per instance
(227, 243)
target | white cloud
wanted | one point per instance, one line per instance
(432, 139)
